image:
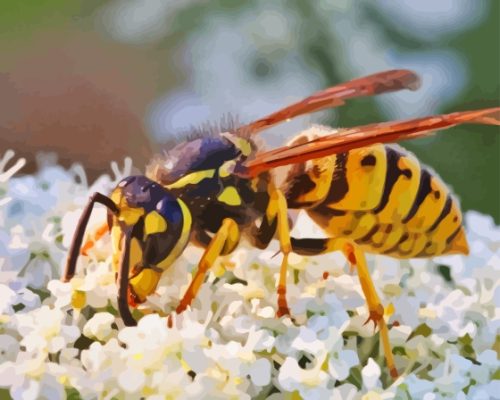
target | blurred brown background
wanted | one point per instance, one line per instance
(95, 81)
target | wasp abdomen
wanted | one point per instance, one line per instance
(382, 198)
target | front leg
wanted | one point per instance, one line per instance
(223, 242)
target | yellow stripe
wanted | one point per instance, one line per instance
(365, 182)
(192, 179)
(183, 239)
(403, 192)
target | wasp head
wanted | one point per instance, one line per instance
(153, 227)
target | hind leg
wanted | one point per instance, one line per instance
(357, 260)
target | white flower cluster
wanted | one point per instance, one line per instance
(61, 340)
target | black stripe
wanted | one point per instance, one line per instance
(309, 247)
(453, 235)
(387, 230)
(339, 186)
(328, 212)
(424, 189)
(301, 185)
(392, 175)
(444, 213)
(369, 235)
(404, 237)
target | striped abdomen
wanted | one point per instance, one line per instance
(382, 198)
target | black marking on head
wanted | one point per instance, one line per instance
(446, 210)
(339, 186)
(142, 192)
(369, 161)
(196, 155)
(424, 189)
(392, 175)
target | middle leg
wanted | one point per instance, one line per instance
(224, 241)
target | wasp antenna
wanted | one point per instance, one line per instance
(76, 244)
(123, 272)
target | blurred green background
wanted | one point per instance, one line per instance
(94, 81)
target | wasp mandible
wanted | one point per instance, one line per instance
(368, 196)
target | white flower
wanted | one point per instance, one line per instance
(340, 360)
(452, 375)
(9, 347)
(131, 380)
(99, 326)
(371, 374)
(7, 297)
(310, 383)
(229, 343)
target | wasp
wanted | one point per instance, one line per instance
(211, 190)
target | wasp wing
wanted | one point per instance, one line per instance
(346, 139)
(381, 82)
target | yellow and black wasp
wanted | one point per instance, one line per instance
(210, 190)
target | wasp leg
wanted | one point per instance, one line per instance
(94, 237)
(357, 259)
(76, 244)
(224, 241)
(278, 205)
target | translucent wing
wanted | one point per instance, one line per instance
(381, 82)
(350, 138)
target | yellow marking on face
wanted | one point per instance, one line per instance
(116, 196)
(145, 282)
(130, 215)
(230, 196)
(135, 255)
(192, 179)
(183, 239)
(116, 240)
(154, 223)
